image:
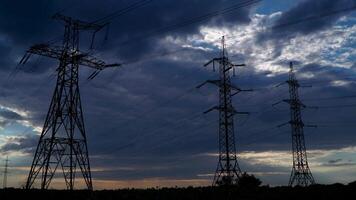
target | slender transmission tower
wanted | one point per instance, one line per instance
(4, 183)
(301, 174)
(228, 170)
(63, 142)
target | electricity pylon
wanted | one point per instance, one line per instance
(301, 174)
(228, 170)
(4, 183)
(63, 141)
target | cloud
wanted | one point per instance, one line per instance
(315, 10)
(329, 47)
(141, 23)
(334, 161)
(11, 116)
(273, 158)
(7, 114)
(144, 120)
(22, 144)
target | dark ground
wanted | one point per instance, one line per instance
(316, 192)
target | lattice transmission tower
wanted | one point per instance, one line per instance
(228, 170)
(301, 174)
(63, 141)
(6, 166)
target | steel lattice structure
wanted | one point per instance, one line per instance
(4, 181)
(63, 141)
(228, 170)
(301, 174)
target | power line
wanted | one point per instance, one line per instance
(339, 106)
(280, 25)
(330, 98)
(159, 31)
(106, 19)
(328, 125)
(311, 18)
(141, 137)
(181, 122)
(177, 25)
(157, 55)
(254, 141)
(202, 18)
(123, 11)
(194, 20)
(161, 104)
(196, 130)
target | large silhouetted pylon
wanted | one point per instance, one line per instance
(228, 170)
(301, 174)
(63, 142)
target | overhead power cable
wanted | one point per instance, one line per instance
(187, 22)
(123, 11)
(171, 27)
(106, 19)
(339, 106)
(140, 136)
(331, 98)
(315, 17)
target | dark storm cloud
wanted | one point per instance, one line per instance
(158, 133)
(5, 51)
(23, 22)
(138, 129)
(311, 8)
(307, 17)
(11, 115)
(139, 31)
(34, 25)
(260, 131)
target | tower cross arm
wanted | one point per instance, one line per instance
(57, 52)
(212, 61)
(219, 84)
(46, 50)
(215, 82)
(238, 65)
(294, 102)
(95, 63)
(232, 110)
(237, 89)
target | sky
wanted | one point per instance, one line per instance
(144, 120)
